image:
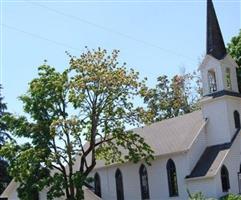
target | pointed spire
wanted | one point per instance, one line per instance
(215, 43)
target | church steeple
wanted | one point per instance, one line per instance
(215, 43)
(221, 99)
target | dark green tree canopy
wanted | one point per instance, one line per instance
(234, 49)
(4, 136)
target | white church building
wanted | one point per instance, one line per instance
(200, 151)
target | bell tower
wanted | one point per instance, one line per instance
(218, 69)
(221, 97)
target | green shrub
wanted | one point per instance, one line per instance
(200, 196)
(231, 197)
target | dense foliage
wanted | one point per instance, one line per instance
(171, 98)
(200, 196)
(4, 136)
(231, 197)
(234, 49)
(76, 116)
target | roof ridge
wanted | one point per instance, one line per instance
(165, 120)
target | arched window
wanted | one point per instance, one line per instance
(212, 81)
(35, 194)
(236, 119)
(97, 185)
(225, 179)
(228, 78)
(172, 178)
(119, 185)
(239, 179)
(144, 183)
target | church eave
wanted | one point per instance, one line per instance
(223, 93)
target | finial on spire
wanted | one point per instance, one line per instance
(215, 43)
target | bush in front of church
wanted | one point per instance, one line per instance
(231, 197)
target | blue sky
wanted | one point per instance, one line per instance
(154, 37)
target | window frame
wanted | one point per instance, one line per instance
(212, 81)
(172, 178)
(225, 182)
(120, 195)
(237, 122)
(145, 192)
(97, 180)
(228, 78)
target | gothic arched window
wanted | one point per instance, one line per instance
(236, 119)
(225, 179)
(97, 185)
(212, 81)
(144, 183)
(119, 185)
(228, 78)
(172, 178)
(35, 194)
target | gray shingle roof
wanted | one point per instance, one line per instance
(211, 159)
(170, 136)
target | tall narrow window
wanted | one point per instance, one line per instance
(144, 183)
(239, 179)
(228, 78)
(225, 179)
(97, 185)
(236, 119)
(35, 194)
(172, 178)
(119, 185)
(212, 81)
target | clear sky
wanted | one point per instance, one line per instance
(154, 37)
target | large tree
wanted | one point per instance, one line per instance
(234, 49)
(4, 136)
(77, 116)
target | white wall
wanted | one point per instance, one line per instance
(207, 186)
(197, 148)
(233, 103)
(232, 162)
(218, 124)
(157, 178)
(212, 187)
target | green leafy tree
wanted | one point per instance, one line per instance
(4, 136)
(171, 98)
(234, 49)
(77, 117)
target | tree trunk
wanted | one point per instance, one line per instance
(79, 194)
